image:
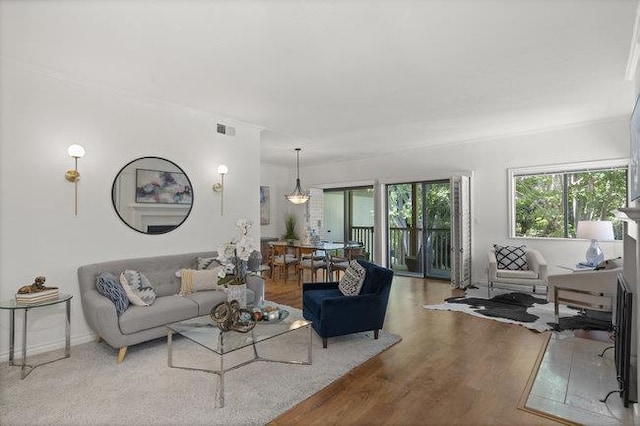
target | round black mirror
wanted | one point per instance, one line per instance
(152, 195)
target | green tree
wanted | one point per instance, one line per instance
(544, 209)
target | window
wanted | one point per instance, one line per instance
(548, 202)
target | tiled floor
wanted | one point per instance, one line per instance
(571, 380)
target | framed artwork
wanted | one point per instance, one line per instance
(160, 187)
(265, 209)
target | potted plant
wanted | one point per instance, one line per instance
(290, 221)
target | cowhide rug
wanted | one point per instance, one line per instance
(528, 310)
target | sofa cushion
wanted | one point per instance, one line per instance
(352, 280)
(109, 286)
(199, 280)
(511, 257)
(138, 288)
(206, 262)
(508, 273)
(312, 300)
(165, 310)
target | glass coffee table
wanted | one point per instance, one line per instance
(201, 330)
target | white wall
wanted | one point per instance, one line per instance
(489, 161)
(281, 181)
(41, 115)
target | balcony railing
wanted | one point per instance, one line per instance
(364, 235)
(403, 257)
(438, 245)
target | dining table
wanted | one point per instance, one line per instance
(323, 246)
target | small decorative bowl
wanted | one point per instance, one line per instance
(273, 315)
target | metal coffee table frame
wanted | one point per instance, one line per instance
(13, 307)
(205, 322)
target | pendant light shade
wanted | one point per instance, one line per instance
(298, 196)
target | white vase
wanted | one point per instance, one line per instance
(239, 293)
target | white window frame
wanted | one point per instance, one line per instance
(554, 168)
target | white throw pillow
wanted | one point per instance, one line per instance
(352, 280)
(193, 280)
(138, 288)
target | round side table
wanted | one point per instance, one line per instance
(12, 306)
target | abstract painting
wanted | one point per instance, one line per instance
(160, 187)
(265, 209)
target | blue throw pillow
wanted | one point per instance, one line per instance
(109, 286)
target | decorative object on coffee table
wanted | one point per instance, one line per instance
(234, 256)
(269, 314)
(230, 316)
(238, 293)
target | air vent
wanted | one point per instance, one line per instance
(226, 130)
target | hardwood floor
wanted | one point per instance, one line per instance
(450, 368)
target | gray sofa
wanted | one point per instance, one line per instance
(141, 323)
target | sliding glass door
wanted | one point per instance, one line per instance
(348, 215)
(419, 234)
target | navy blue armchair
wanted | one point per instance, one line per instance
(334, 314)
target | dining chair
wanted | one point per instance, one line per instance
(282, 260)
(341, 263)
(310, 260)
(266, 266)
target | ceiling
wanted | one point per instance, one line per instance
(345, 79)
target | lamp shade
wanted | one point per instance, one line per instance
(76, 151)
(222, 169)
(600, 230)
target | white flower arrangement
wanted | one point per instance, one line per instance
(234, 254)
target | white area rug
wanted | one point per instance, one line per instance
(91, 389)
(544, 312)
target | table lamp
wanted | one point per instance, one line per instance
(595, 230)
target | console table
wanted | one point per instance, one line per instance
(12, 306)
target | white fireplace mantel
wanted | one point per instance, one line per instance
(157, 214)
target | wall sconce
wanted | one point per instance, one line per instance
(219, 187)
(75, 151)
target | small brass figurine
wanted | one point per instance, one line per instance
(36, 287)
(229, 316)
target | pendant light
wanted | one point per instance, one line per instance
(298, 196)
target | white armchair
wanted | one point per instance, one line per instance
(535, 276)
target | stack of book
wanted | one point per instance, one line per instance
(38, 297)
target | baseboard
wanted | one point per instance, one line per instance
(47, 347)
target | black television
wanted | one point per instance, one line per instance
(623, 317)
